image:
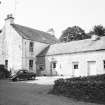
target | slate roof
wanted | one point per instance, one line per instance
(34, 35)
(86, 45)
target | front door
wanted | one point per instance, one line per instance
(31, 65)
(53, 68)
(92, 68)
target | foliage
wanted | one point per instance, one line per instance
(87, 88)
(77, 33)
(73, 33)
(4, 73)
(98, 30)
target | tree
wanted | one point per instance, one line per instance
(73, 33)
(99, 30)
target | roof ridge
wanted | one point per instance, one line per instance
(30, 28)
(74, 41)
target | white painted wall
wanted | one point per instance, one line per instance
(65, 67)
(27, 55)
(13, 48)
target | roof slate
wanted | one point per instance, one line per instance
(86, 45)
(34, 35)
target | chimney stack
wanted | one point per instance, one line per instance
(9, 19)
(51, 31)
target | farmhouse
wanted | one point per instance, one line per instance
(26, 48)
(20, 45)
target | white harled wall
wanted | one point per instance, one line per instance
(27, 55)
(64, 63)
(13, 48)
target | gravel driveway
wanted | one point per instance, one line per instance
(32, 93)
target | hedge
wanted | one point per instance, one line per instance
(4, 73)
(87, 88)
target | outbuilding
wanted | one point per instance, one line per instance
(75, 58)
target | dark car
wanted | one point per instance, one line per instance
(23, 75)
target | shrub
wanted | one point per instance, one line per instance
(88, 88)
(4, 73)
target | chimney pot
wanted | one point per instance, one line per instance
(10, 18)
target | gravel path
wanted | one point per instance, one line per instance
(30, 93)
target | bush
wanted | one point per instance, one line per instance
(88, 88)
(4, 73)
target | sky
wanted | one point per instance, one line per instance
(56, 14)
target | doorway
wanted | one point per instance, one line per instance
(92, 68)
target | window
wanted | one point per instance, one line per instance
(104, 63)
(30, 64)
(54, 65)
(41, 67)
(31, 47)
(6, 63)
(75, 65)
(64, 39)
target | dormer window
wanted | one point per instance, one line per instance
(31, 47)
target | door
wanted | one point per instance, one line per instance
(53, 68)
(75, 70)
(92, 68)
(31, 65)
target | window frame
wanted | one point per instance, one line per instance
(54, 64)
(41, 67)
(6, 63)
(75, 65)
(31, 64)
(31, 46)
